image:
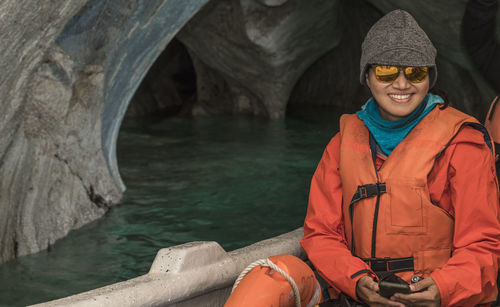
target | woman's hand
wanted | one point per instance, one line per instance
(429, 297)
(367, 291)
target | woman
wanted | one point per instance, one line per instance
(407, 189)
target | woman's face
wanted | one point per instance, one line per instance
(398, 99)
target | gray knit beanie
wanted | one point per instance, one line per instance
(396, 39)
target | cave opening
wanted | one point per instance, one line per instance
(169, 87)
(226, 175)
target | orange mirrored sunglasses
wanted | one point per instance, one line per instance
(388, 74)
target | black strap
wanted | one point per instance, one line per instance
(361, 272)
(363, 191)
(392, 265)
(368, 190)
(373, 149)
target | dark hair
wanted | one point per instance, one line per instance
(442, 94)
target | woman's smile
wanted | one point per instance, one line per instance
(400, 98)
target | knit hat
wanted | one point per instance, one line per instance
(396, 39)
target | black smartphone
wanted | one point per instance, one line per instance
(387, 289)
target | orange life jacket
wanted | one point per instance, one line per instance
(397, 218)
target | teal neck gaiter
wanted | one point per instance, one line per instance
(389, 134)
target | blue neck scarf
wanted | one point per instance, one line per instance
(389, 134)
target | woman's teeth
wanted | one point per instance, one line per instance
(399, 97)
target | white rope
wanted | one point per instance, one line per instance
(269, 263)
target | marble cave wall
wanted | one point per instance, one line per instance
(70, 70)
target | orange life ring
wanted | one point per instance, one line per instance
(265, 287)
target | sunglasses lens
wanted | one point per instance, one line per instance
(416, 74)
(386, 73)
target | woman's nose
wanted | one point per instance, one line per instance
(401, 82)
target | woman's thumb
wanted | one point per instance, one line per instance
(424, 283)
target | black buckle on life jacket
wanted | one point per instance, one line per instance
(392, 265)
(364, 191)
(369, 190)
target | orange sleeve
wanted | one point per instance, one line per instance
(324, 239)
(469, 276)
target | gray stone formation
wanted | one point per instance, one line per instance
(249, 54)
(71, 68)
(69, 72)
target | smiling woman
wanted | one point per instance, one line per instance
(391, 198)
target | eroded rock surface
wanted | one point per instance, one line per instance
(249, 54)
(45, 183)
(69, 70)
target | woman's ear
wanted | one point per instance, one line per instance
(367, 80)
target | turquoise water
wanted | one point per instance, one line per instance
(234, 180)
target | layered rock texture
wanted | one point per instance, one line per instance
(249, 54)
(69, 71)
(71, 68)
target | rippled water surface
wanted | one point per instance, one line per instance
(235, 180)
